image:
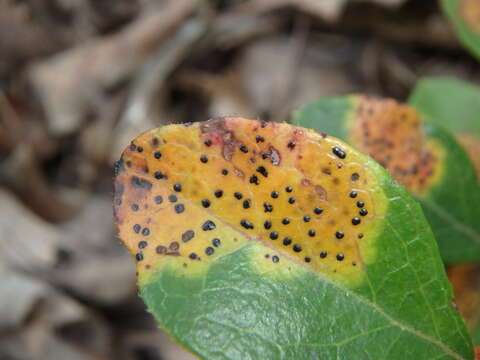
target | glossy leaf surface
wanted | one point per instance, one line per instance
(269, 241)
(420, 154)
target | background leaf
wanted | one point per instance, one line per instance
(455, 104)
(288, 244)
(466, 284)
(420, 154)
(452, 102)
(465, 18)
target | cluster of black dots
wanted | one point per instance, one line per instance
(268, 207)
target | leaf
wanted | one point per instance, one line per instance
(420, 154)
(454, 104)
(466, 285)
(246, 247)
(465, 18)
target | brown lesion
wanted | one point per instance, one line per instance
(465, 280)
(470, 12)
(392, 134)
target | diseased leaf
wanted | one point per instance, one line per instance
(259, 240)
(466, 285)
(465, 18)
(420, 154)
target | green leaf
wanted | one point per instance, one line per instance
(420, 154)
(465, 18)
(252, 241)
(453, 103)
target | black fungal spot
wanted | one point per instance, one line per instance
(306, 218)
(208, 225)
(259, 139)
(339, 152)
(291, 200)
(118, 202)
(206, 203)
(133, 146)
(263, 124)
(291, 144)
(208, 142)
(323, 254)
(363, 212)
(287, 241)
(177, 187)
(297, 248)
(193, 256)
(285, 221)
(311, 233)
(174, 246)
(179, 208)
(209, 251)
(141, 183)
(158, 175)
(188, 235)
(267, 224)
(356, 220)
(118, 167)
(160, 249)
(267, 207)
(238, 195)
(263, 171)
(246, 204)
(340, 257)
(360, 236)
(307, 259)
(140, 149)
(135, 207)
(353, 194)
(158, 199)
(274, 235)
(289, 189)
(137, 228)
(318, 210)
(274, 194)
(155, 141)
(360, 204)
(224, 172)
(339, 235)
(157, 154)
(246, 224)
(355, 177)
(204, 159)
(146, 231)
(243, 149)
(139, 256)
(216, 242)
(172, 198)
(275, 259)
(254, 180)
(218, 193)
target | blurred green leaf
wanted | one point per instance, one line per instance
(453, 103)
(465, 18)
(396, 136)
(218, 281)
